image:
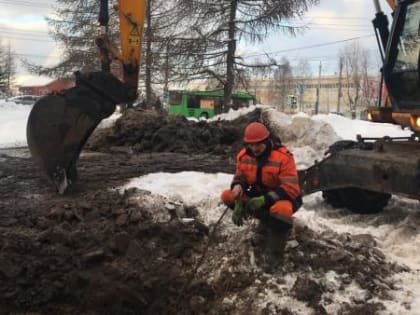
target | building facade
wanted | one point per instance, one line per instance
(314, 95)
(51, 87)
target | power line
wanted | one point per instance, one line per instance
(49, 2)
(26, 32)
(340, 24)
(337, 17)
(34, 55)
(23, 36)
(28, 39)
(26, 4)
(311, 26)
(323, 58)
(307, 47)
(364, 29)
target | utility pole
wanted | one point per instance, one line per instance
(148, 51)
(318, 89)
(166, 76)
(301, 88)
(339, 83)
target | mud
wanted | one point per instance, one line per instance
(97, 250)
(149, 131)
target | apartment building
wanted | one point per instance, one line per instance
(301, 94)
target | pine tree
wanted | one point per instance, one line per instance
(235, 20)
(75, 27)
(184, 40)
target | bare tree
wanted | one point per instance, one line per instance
(283, 83)
(165, 45)
(355, 63)
(7, 68)
(370, 86)
(181, 42)
(302, 71)
(74, 26)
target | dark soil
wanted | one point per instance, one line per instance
(99, 251)
(149, 131)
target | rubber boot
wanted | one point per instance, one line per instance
(269, 243)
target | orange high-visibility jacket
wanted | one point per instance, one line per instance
(276, 176)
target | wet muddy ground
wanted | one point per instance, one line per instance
(97, 250)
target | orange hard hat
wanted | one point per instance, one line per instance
(256, 132)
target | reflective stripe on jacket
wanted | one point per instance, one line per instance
(277, 177)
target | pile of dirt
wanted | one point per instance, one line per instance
(315, 269)
(101, 251)
(149, 131)
(110, 253)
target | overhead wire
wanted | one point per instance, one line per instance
(20, 34)
(337, 17)
(314, 58)
(307, 47)
(29, 39)
(26, 4)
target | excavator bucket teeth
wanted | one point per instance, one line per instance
(59, 125)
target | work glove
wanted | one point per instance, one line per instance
(239, 213)
(255, 206)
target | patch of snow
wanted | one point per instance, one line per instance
(233, 114)
(348, 129)
(110, 121)
(13, 120)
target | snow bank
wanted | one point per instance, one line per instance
(13, 124)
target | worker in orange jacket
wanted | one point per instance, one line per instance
(265, 184)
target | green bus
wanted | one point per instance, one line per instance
(205, 104)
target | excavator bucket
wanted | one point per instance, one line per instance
(59, 125)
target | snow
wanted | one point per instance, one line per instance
(13, 118)
(396, 229)
(233, 114)
(13, 124)
(348, 129)
(108, 122)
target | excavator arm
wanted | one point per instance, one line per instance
(391, 4)
(60, 124)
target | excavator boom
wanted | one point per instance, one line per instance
(391, 3)
(60, 124)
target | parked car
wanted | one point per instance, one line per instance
(24, 99)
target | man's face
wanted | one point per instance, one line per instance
(257, 148)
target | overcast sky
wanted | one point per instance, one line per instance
(329, 26)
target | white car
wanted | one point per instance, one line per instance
(24, 99)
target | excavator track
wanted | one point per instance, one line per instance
(382, 166)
